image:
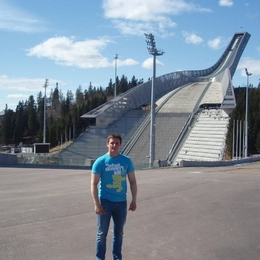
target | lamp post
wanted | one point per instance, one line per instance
(151, 46)
(248, 74)
(44, 112)
(116, 57)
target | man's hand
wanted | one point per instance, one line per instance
(133, 187)
(94, 192)
(99, 210)
(132, 206)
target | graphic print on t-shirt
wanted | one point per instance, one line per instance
(118, 176)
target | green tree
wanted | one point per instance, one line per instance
(257, 143)
(55, 98)
(253, 118)
(79, 96)
(32, 117)
(122, 85)
(7, 127)
(40, 109)
(20, 123)
(110, 89)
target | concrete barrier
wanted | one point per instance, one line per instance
(89, 162)
(8, 159)
(218, 163)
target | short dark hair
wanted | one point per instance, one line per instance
(115, 135)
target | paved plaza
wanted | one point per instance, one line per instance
(183, 214)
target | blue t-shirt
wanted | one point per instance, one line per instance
(113, 176)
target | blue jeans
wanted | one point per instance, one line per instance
(118, 211)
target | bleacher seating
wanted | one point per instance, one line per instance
(92, 143)
(206, 139)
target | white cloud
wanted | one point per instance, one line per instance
(16, 19)
(33, 85)
(19, 96)
(226, 3)
(132, 28)
(139, 28)
(137, 17)
(192, 38)
(127, 62)
(217, 43)
(252, 65)
(147, 10)
(82, 54)
(148, 63)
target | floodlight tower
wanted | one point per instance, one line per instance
(248, 74)
(44, 111)
(151, 46)
(116, 57)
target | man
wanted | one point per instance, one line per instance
(111, 171)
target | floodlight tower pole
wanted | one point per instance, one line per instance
(44, 112)
(248, 74)
(151, 46)
(116, 57)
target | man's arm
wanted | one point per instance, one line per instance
(133, 187)
(94, 192)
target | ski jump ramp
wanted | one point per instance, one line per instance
(179, 97)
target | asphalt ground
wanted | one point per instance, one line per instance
(183, 214)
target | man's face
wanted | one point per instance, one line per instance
(113, 146)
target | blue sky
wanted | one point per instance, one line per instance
(75, 42)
